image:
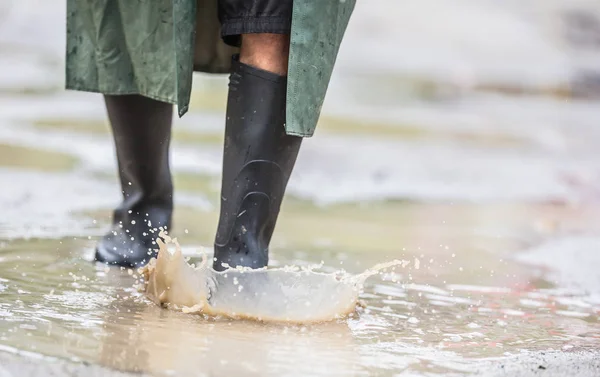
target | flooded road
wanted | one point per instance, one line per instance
(478, 163)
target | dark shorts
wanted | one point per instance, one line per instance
(253, 16)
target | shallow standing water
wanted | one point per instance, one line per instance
(467, 303)
(484, 174)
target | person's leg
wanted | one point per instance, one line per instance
(258, 156)
(269, 52)
(142, 132)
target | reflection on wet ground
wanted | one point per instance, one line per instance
(484, 174)
(468, 301)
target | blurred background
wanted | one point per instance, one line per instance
(475, 101)
(462, 133)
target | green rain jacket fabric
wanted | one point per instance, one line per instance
(152, 47)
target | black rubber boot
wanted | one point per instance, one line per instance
(142, 133)
(258, 159)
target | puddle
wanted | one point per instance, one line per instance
(56, 302)
(477, 164)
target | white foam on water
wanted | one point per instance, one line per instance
(570, 262)
(37, 204)
(52, 205)
(96, 153)
(359, 168)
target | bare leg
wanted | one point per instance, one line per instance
(269, 52)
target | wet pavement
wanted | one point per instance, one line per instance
(473, 155)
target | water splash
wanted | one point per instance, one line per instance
(287, 294)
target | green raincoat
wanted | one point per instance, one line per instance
(152, 47)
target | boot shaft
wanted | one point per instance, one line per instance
(258, 159)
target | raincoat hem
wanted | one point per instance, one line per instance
(124, 93)
(299, 134)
